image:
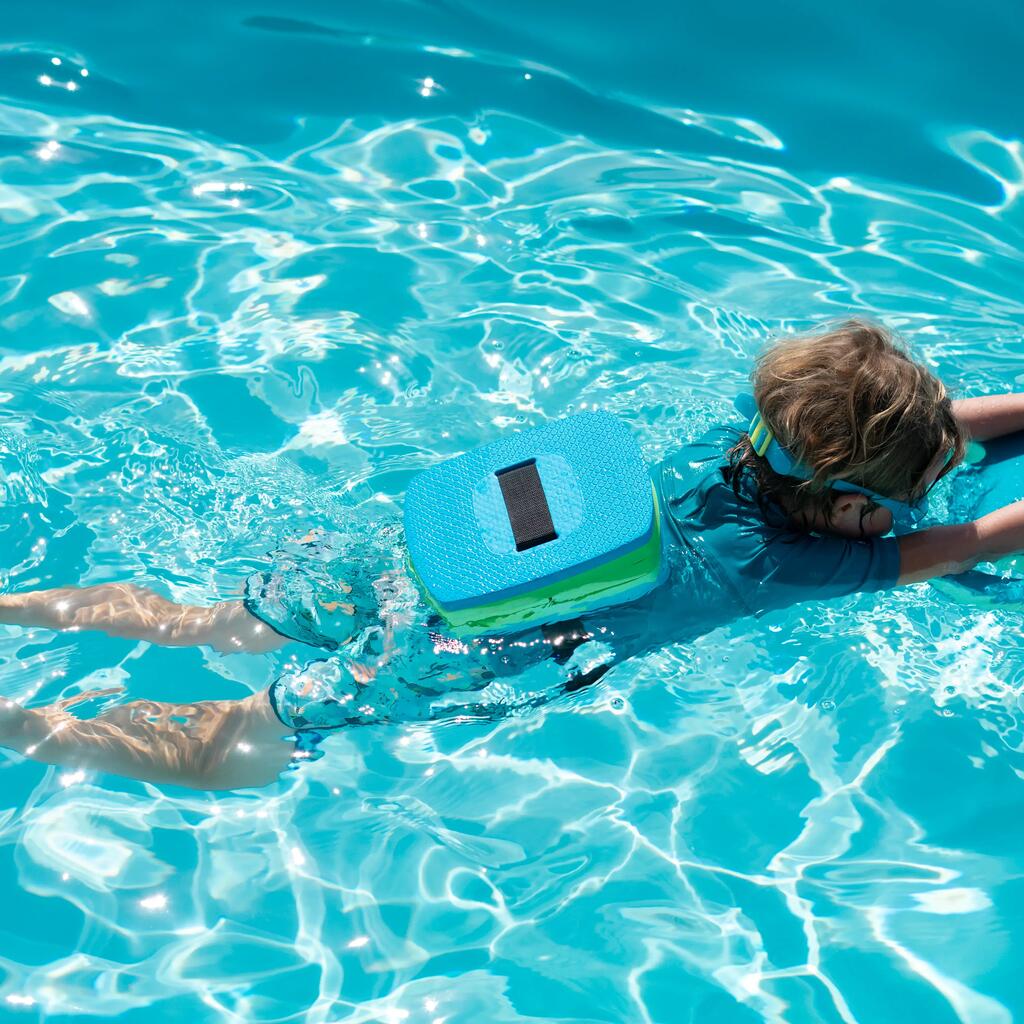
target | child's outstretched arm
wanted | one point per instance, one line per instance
(947, 550)
(991, 416)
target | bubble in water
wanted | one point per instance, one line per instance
(827, 705)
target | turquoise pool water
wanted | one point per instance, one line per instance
(258, 265)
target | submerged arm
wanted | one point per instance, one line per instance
(991, 416)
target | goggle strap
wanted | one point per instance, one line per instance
(761, 438)
(760, 435)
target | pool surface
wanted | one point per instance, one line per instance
(260, 264)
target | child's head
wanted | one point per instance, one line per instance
(850, 404)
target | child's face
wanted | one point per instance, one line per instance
(857, 516)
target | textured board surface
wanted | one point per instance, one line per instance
(608, 583)
(597, 487)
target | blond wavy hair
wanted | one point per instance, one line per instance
(850, 404)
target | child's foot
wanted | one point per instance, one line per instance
(20, 727)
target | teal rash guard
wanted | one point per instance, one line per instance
(724, 560)
(759, 563)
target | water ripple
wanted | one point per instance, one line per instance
(208, 345)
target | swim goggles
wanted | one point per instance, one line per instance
(766, 445)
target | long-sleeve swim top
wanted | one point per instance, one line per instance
(762, 563)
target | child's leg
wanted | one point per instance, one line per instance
(126, 610)
(223, 744)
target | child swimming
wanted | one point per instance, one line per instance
(840, 442)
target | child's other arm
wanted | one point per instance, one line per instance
(992, 416)
(945, 550)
